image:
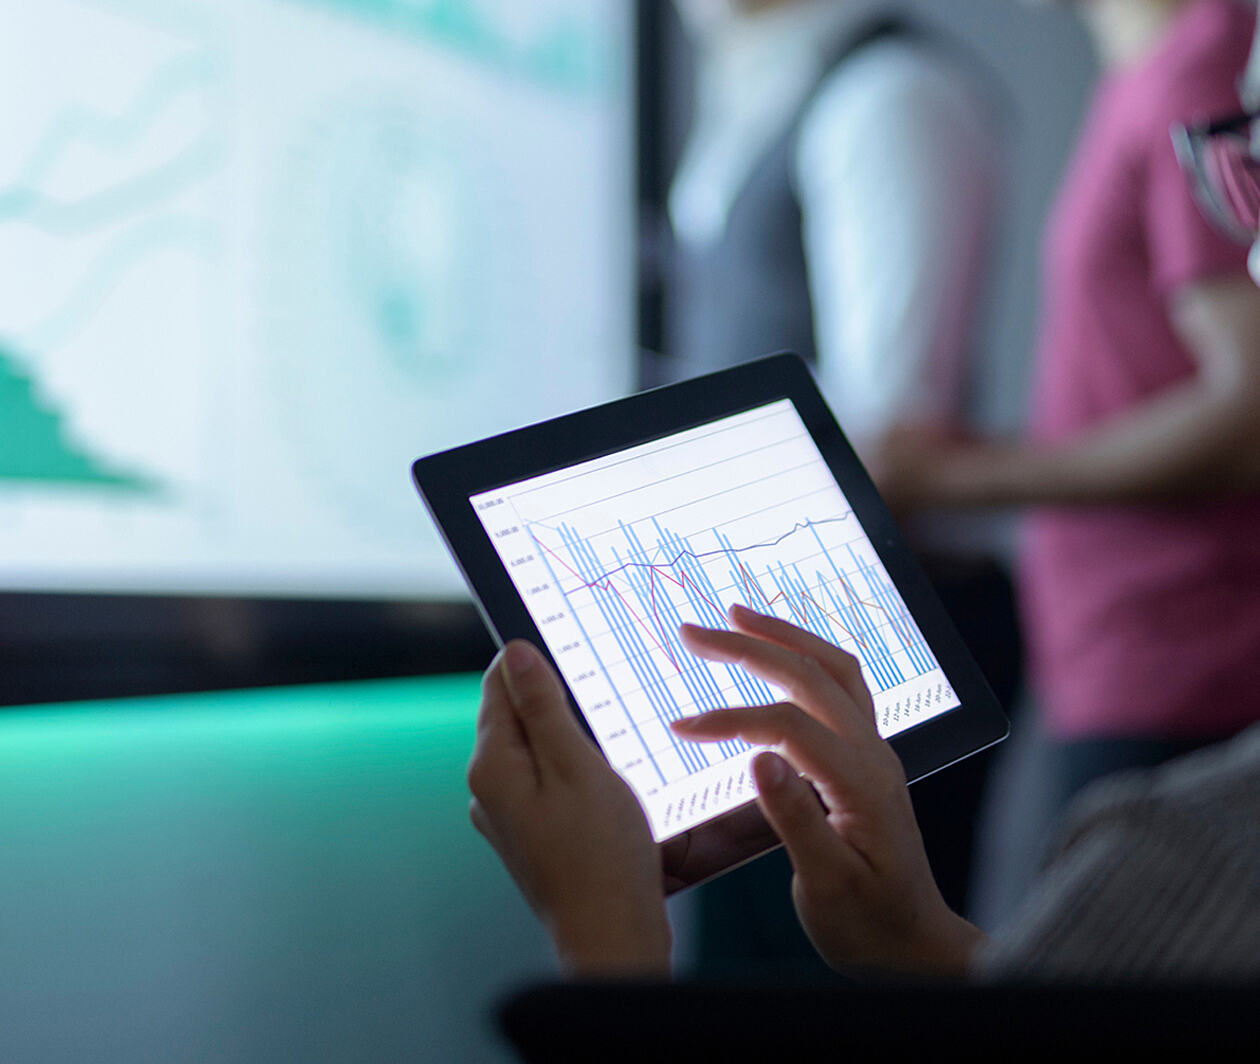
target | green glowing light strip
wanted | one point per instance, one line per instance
(407, 709)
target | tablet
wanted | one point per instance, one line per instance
(595, 535)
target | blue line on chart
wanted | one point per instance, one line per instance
(578, 621)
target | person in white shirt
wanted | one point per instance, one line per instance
(888, 153)
(834, 199)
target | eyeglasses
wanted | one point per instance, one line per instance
(1221, 159)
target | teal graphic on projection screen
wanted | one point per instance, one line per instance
(555, 50)
(81, 124)
(35, 445)
(91, 234)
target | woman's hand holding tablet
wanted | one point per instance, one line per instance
(579, 846)
(567, 827)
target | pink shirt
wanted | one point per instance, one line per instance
(1142, 621)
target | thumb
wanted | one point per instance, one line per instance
(538, 698)
(797, 816)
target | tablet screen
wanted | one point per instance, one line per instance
(611, 555)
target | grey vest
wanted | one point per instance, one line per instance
(747, 294)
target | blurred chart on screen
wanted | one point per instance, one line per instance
(258, 255)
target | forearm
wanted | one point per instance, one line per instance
(949, 951)
(1198, 439)
(932, 942)
(1192, 442)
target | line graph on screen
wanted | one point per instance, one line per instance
(855, 606)
(613, 555)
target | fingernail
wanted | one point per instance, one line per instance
(518, 659)
(771, 769)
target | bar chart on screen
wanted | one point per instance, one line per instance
(610, 556)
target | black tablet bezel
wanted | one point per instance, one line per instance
(446, 482)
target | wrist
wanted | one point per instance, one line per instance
(950, 949)
(607, 944)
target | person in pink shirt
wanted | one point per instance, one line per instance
(1140, 567)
